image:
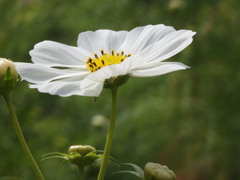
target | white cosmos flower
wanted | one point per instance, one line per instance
(101, 55)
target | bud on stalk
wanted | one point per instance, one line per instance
(154, 171)
(8, 76)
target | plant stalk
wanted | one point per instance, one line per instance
(81, 173)
(21, 138)
(110, 135)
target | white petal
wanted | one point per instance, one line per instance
(99, 76)
(52, 53)
(94, 90)
(91, 87)
(36, 73)
(60, 88)
(141, 37)
(101, 39)
(69, 87)
(162, 68)
(120, 69)
(136, 61)
(170, 45)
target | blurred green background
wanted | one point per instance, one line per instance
(188, 120)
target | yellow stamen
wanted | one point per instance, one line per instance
(112, 52)
(96, 56)
(94, 64)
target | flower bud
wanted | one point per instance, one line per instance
(82, 155)
(78, 155)
(154, 171)
(8, 76)
(80, 149)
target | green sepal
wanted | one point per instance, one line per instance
(116, 82)
(56, 155)
(75, 158)
(8, 75)
(8, 83)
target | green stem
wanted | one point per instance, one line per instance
(81, 173)
(109, 140)
(21, 138)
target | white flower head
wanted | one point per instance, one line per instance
(101, 55)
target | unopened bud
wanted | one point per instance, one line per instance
(8, 76)
(78, 155)
(80, 149)
(154, 171)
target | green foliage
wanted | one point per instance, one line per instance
(137, 171)
(187, 120)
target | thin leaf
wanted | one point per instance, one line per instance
(136, 168)
(99, 151)
(130, 172)
(111, 160)
(114, 161)
(55, 153)
(52, 157)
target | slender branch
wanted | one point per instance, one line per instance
(109, 140)
(21, 138)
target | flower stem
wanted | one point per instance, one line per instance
(21, 138)
(81, 173)
(109, 140)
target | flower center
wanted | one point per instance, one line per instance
(94, 64)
